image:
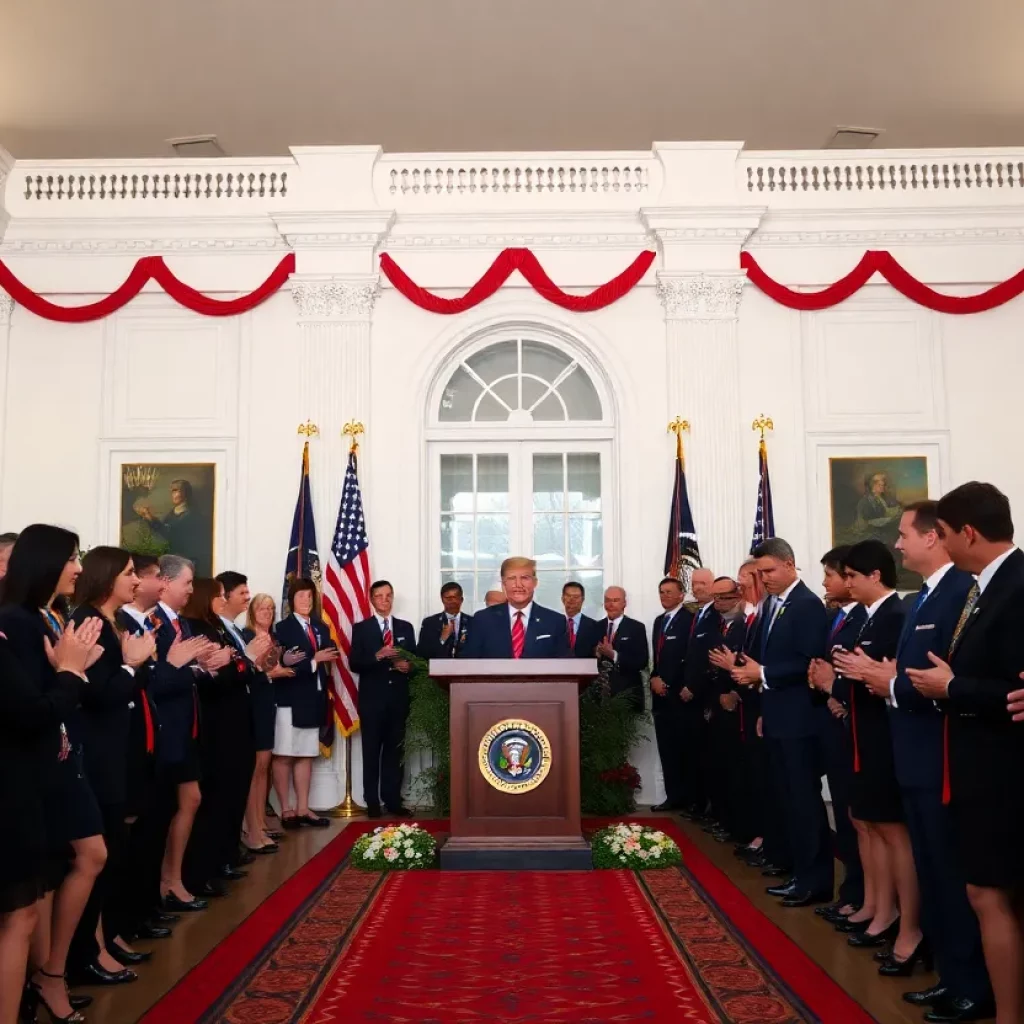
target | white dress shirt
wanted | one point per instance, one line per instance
(525, 612)
(986, 574)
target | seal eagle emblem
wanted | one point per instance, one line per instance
(515, 756)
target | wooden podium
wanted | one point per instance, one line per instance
(504, 712)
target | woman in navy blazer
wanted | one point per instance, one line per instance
(301, 703)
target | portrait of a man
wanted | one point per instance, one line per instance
(868, 496)
(169, 508)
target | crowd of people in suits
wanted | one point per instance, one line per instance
(138, 724)
(139, 727)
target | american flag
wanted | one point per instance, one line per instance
(346, 595)
(764, 517)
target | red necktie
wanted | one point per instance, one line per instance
(176, 624)
(611, 630)
(661, 636)
(696, 619)
(518, 636)
(570, 627)
(312, 637)
(388, 637)
(147, 717)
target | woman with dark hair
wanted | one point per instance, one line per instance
(32, 863)
(259, 621)
(226, 747)
(875, 798)
(108, 582)
(301, 703)
(40, 580)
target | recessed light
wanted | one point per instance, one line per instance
(197, 146)
(845, 137)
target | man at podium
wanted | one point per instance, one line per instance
(519, 628)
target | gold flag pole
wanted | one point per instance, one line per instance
(677, 427)
(308, 430)
(348, 808)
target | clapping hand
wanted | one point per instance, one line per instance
(747, 674)
(184, 652)
(723, 658)
(447, 629)
(77, 648)
(214, 660)
(259, 649)
(605, 650)
(137, 650)
(387, 652)
(293, 657)
(327, 654)
(933, 682)
(821, 675)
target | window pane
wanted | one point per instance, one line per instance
(549, 539)
(586, 544)
(508, 391)
(580, 397)
(458, 398)
(492, 541)
(584, 474)
(495, 361)
(548, 483)
(484, 581)
(543, 360)
(550, 410)
(549, 588)
(456, 483)
(533, 391)
(490, 410)
(456, 542)
(593, 584)
(492, 483)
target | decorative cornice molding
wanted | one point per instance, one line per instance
(334, 298)
(881, 238)
(335, 240)
(709, 297)
(6, 308)
(150, 246)
(632, 241)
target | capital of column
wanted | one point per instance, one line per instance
(701, 297)
(335, 299)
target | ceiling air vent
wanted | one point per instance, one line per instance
(197, 146)
(853, 138)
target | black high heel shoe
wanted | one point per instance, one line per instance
(868, 941)
(895, 967)
(34, 992)
(126, 957)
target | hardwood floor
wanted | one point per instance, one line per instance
(197, 934)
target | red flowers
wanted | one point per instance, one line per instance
(625, 775)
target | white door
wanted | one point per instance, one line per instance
(548, 500)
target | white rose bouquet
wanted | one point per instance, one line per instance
(395, 848)
(633, 846)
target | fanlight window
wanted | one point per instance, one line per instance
(519, 382)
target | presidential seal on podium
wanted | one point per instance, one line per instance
(515, 756)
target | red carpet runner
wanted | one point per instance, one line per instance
(604, 947)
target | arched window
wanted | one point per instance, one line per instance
(520, 461)
(519, 381)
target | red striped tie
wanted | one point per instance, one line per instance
(388, 637)
(571, 629)
(518, 636)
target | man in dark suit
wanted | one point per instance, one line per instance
(705, 635)
(444, 635)
(793, 631)
(582, 632)
(519, 628)
(669, 638)
(622, 653)
(984, 759)
(377, 646)
(916, 725)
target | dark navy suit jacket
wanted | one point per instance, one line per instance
(305, 692)
(492, 634)
(914, 721)
(173, 691)
(669, 656)
(706, 634)
(430, 644)
(630, 644)
(800, 633)
(588, 636)
(379, 683)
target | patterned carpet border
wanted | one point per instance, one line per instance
(283, 961)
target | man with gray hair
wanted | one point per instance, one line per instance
(792, 632)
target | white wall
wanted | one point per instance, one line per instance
(875, 375)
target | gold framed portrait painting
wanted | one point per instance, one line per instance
(868, 495)
(169, 508)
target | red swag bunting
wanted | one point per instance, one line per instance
(148, 268)
(529, 266)
(876, 261)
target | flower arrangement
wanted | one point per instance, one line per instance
(395, 848)
(625, 775)
(633, 846)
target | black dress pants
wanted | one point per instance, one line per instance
(668, 732)
(837, 760)
(694, 727)
(383, 738)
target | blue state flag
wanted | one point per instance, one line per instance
(303, 556)
(682, 553)
(764, 516)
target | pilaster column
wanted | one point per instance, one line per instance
(701, 317)
(334, 314)
(6, 312)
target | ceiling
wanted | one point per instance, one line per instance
(115, 78)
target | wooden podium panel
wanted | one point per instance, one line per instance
(534, 829)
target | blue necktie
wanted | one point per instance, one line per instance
(911, 619)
